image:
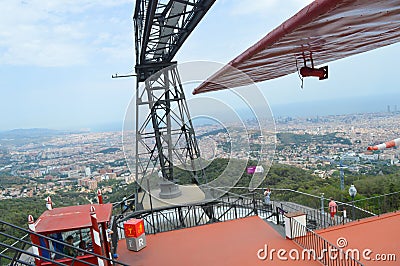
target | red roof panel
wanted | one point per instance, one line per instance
(330, 29)
(72, 217)
(380, 234)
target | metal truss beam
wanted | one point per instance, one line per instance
(161, 27)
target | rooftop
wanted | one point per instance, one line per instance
(380, 234)
(235, 242)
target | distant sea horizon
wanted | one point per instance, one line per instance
(338, 106)
(346, 106)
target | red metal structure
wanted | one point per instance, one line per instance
(327, 29)
(87, 219)
(321, 73)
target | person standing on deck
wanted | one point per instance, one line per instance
(332, 210)
(267, 195)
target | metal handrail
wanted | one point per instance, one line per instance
(315, 196)
(320, 247)
(188, 215)
(135, 213)
(21, 251)
(13, 244)
(275, 189)
(379, 196)
(360, 211)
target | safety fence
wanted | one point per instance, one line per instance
(184, 216)
(316, 207)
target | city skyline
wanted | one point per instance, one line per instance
(57, 58)
(297, 110)
(314, 145)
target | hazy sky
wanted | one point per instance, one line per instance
(57, 58)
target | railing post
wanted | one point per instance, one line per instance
(379, 206)
(115, 236)
(325, 259)
(277, 215)
(344, 215)
(181, 219)
(106, 233)
(322, 203)
(35, 240)
(99, 196)
(322, 211)
(254, 204)
(151, 206)
(236, 216)
(95, 233)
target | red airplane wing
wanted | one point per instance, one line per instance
(329, 29)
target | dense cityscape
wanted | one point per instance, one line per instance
(33, 166)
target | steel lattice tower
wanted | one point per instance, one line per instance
(166, 136)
